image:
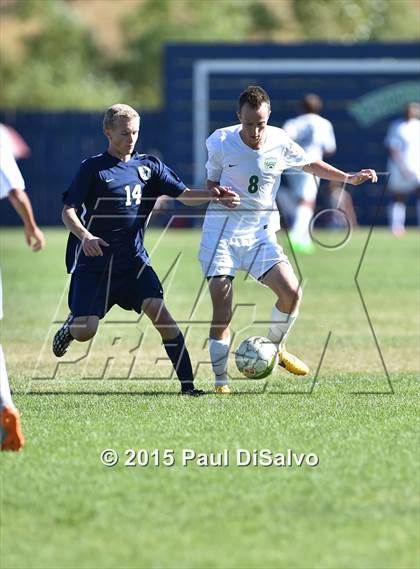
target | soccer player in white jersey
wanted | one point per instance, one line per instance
(403, 143)
(249, 158)
(12, 186)
(315, 135)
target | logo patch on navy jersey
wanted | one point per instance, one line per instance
(269, 163)
(145, 173)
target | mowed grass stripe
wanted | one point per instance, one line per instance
(61, 507)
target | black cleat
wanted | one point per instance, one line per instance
(193, 392)
(63, 338)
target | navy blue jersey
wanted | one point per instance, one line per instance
(114, 200)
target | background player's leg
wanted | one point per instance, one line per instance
(11, 437)
(221, 293)
(308, 189)
(396, 214)
(173, 341)
(300, 231)
(10, 430)
(5, 395)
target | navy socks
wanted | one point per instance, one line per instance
(180, 358)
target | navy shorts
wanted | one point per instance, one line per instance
(96, 293)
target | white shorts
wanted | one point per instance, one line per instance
(304, 186)
(227, 255)
(399, 184)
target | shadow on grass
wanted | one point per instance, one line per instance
(132, 393)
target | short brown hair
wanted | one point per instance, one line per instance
(311, 103)
(255, 96)
(412, 110)
(118, 111)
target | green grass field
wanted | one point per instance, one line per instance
(61, 508)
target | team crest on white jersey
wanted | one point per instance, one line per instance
(144, 173)
(270, 163)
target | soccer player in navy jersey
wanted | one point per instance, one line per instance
(106, 210)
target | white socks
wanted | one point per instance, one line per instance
(397, 217)
(219, 355)
(300, 231)
(281, 324)
(5, 396)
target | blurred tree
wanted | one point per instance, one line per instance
(62, 67)
(157, 22)
(358, 20)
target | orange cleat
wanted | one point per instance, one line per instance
(11, 433)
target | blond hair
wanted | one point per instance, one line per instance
(117, 112)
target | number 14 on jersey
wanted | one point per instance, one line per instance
(134, 195)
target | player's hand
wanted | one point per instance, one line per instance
(34, 238)
(228, 197)
(362, 177)
(92, 246)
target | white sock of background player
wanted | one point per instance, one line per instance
(5, 395)
(397, 216)
(281, 323)
(300, 230)
(219, 355)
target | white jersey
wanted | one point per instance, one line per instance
(404, 136)
(10, 176)
(254, 174)
(313, 133)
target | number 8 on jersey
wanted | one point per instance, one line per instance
(253, 184)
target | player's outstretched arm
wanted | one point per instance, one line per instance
(327, 172)
(91, 245)
(22, 204)
(214, 192)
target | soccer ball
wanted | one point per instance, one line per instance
(256, 357)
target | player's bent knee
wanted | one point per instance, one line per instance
(83, 329)
(295, 294)
(155, 309)
(296, 298)
(291, 298)
(299, 299)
